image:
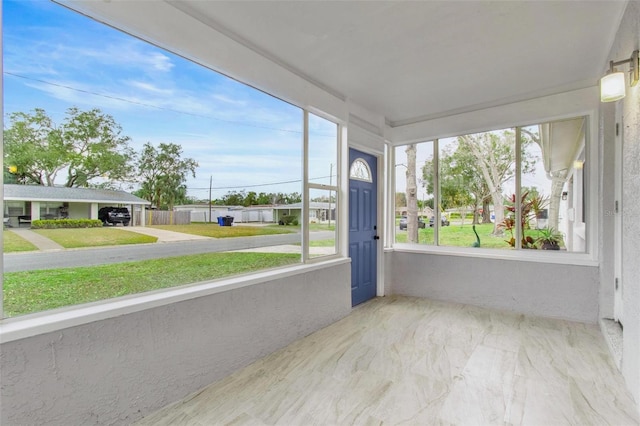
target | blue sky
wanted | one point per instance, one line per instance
(55, 59)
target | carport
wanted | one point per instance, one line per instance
(24, 203)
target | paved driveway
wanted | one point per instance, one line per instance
(165, 236)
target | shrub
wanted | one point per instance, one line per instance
(456, 215)
(288, 220)
(66, 223)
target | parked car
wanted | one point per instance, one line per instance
(114, 215)
(443, 219)
(403, 223)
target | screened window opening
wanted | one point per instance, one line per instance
(213, 160)
(519, 188)
(322, 187)
(415, 206)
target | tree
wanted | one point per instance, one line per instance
(242, 198)
(454, 187)
(232, 198)
(412, 195)
(459, 168)
(263, 198)
(163, 173)
(88, 146)
(494, 156)
(251, 199)
(294, 197)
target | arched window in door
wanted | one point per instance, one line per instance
(360, 170)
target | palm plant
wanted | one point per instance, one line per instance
(549, 239)
(530, 208)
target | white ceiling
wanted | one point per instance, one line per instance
(416, 60)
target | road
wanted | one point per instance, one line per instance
(15, 262)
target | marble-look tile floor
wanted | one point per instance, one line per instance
(410, 361)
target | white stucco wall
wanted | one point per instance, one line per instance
(627, 40)
(116, 370)
(534, 288)
(606, 134)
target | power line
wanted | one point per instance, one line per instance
(238, 123)
(256, 185)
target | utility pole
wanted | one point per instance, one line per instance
(210, 184)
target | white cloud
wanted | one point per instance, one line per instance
(227, 100)
(160, 62)
(148, 87)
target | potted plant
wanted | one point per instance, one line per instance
(549, 239)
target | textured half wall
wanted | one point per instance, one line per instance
(533, 288)
(117, 370)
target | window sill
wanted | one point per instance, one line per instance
(24, 326)
(540, 256)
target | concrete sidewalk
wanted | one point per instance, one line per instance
(290, 248)
(42, 243)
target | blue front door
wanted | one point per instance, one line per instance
(363, 234)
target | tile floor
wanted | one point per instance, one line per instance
(410, 361)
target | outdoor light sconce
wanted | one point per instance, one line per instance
(564, 195)
(612, 85)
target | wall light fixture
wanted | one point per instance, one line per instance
(612, 85)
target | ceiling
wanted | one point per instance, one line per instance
(416, 60)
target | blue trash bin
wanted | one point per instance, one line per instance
(220, 220)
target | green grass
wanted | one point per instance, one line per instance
(313, 227)
(330, 242)
(15, 243)
(216, 231)
(463, 236)
(322, 226)
(94, 237)
(35, 291)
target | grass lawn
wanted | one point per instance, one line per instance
(322, 226)
(314, 227)
(217, 231)
(35, 291)
(14, 243)
(463, 236)
(330, 242)
(94, 237)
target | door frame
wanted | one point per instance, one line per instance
(381, 177)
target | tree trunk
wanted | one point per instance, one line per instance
(554, 202)
(486, 210)
(475, 214)
(412, 195)
(463, 214)
(498, 207)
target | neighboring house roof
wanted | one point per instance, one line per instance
(312, 205)
(77, 195)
